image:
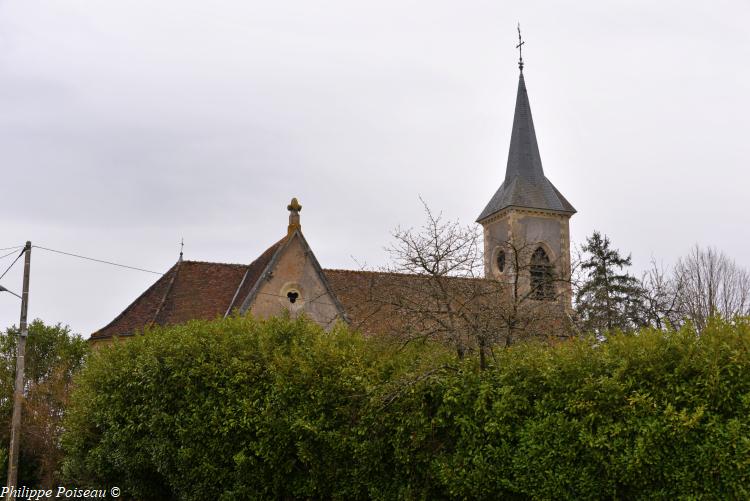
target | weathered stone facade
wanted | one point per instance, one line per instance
(527, 216)
(294, 282)
(525, 230)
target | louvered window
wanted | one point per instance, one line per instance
(542, 283)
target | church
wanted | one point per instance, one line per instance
(526, 242)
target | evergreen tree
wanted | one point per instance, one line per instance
(608, 297)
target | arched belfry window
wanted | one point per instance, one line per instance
(500, 260)
(542, 283)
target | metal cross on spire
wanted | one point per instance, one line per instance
(182, 246)
(519, 47)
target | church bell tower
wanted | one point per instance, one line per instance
(526, 223)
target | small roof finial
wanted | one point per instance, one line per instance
(519, 47)
(294, 208)
(182, 246)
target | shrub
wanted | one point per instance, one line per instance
(246, 409)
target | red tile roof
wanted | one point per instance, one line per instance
(189, 290)
(387, 303)
(374, 302)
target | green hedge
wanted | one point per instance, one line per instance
(243, 409)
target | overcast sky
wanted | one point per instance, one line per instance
(125, 126)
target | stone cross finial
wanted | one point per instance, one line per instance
(294, 208)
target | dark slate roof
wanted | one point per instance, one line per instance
(525, 184)
(189, 290)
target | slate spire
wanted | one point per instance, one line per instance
(523, 157)
(525, 184)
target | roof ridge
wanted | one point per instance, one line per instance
(398, 274)
(166, 293)
(267, 255)
(191, 261)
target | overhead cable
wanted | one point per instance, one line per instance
(11, 264)
(10, 253)
(98, 260)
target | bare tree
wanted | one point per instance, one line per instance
(436, 283)
(711, 284)
(439, 248)
(660, 297)
(436, 288)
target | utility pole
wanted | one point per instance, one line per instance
(15, 426)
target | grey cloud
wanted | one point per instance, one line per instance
(124, 126)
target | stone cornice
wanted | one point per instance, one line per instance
(524, 210)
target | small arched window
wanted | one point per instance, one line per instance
(500, 260)
(542, 283)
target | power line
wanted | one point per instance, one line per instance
(3, 289)
(98, 260)
(11, 264)
(9, 254)
(9, 248)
